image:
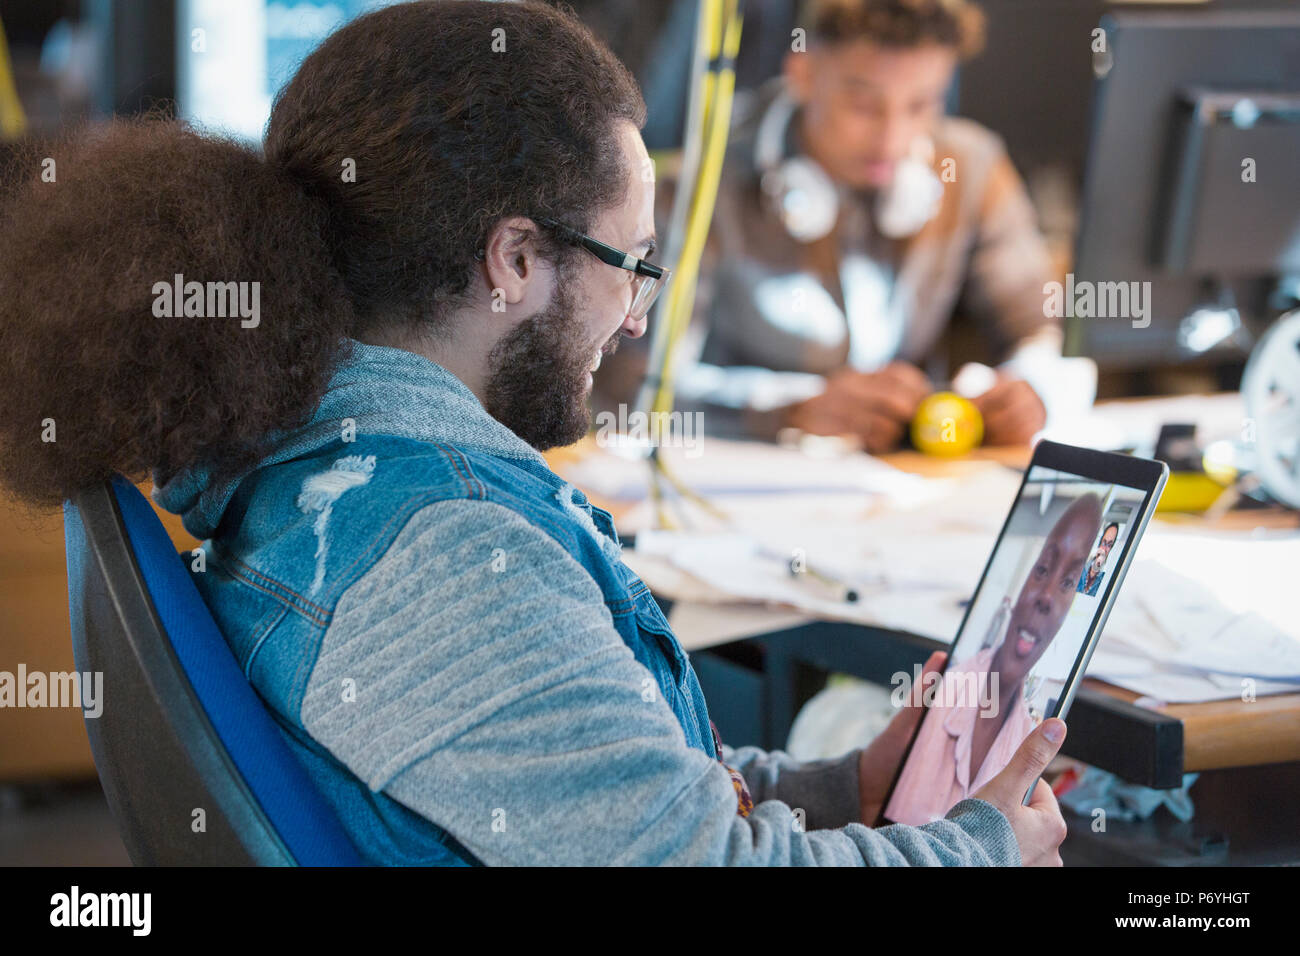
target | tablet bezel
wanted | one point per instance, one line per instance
(1087, 464)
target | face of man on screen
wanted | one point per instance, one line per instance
(1108, 539)
(1048, 591)
(1105, 546)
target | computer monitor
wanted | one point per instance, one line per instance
(1190, 226)
(233, 56)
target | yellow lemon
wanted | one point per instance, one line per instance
(947, 424)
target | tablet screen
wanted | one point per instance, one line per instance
(1027, 627)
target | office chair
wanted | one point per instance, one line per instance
(181, 729)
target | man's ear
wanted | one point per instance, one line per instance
(510, 258)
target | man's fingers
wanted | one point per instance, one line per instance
(1044, 802)
(1016, 427)
(998, 397)
(899, 406)
(821, 416)
(1012, 411)
(894, 390)
(911, 712)
(1043, 798)
(1008, 395)
(840, 413)
(875, 406)
(864, 418)
(882, 433)
(934, 663)
(877, 394)
(909, 378)
(843, 415)
(1012, 426)
(1029, 762)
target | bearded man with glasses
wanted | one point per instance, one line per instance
(443, 627)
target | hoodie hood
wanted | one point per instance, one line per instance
(385, 391)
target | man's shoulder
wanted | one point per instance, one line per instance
(402, 475)
(984, 168)
(463, 545)
(344, 507)
(376, 465)
(469, 609)
(966, 140)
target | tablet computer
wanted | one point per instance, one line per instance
(1030, 629)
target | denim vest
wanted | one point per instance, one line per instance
(273, 579)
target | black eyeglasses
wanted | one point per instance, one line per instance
(648, 279)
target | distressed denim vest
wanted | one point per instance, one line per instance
(272, 580)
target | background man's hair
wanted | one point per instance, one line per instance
(896, 23)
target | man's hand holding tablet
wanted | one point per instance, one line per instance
(1039, 827)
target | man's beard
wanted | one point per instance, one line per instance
(538, 384)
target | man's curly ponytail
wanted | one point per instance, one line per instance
(99, 369)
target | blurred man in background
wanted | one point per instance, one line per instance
(854, 220)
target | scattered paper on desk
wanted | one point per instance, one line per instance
(901, 584)
(914, 562)
(1169, 685)
(720, 467)
(1198, 614)
(1172, 636)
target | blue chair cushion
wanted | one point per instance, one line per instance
(306, 823)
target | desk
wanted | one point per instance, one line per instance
(785, 650)
(759, 664)
(1247, 809)
(45, 742)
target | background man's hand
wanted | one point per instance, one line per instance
(1039, 827)
(878, 761)
(874, 407)
(1013, 412)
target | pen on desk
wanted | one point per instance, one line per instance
(839, 589)
(797, 566)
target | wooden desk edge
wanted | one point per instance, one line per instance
(1218, 734)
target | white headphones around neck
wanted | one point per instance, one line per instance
(807, 200)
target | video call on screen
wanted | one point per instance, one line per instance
(1027, 627)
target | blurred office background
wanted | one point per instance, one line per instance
(76, 61)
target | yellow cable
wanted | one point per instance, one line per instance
(713, 13)
(691, 494)
(722, 25)
(721, 90)
(718, 112)
(13, 121)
